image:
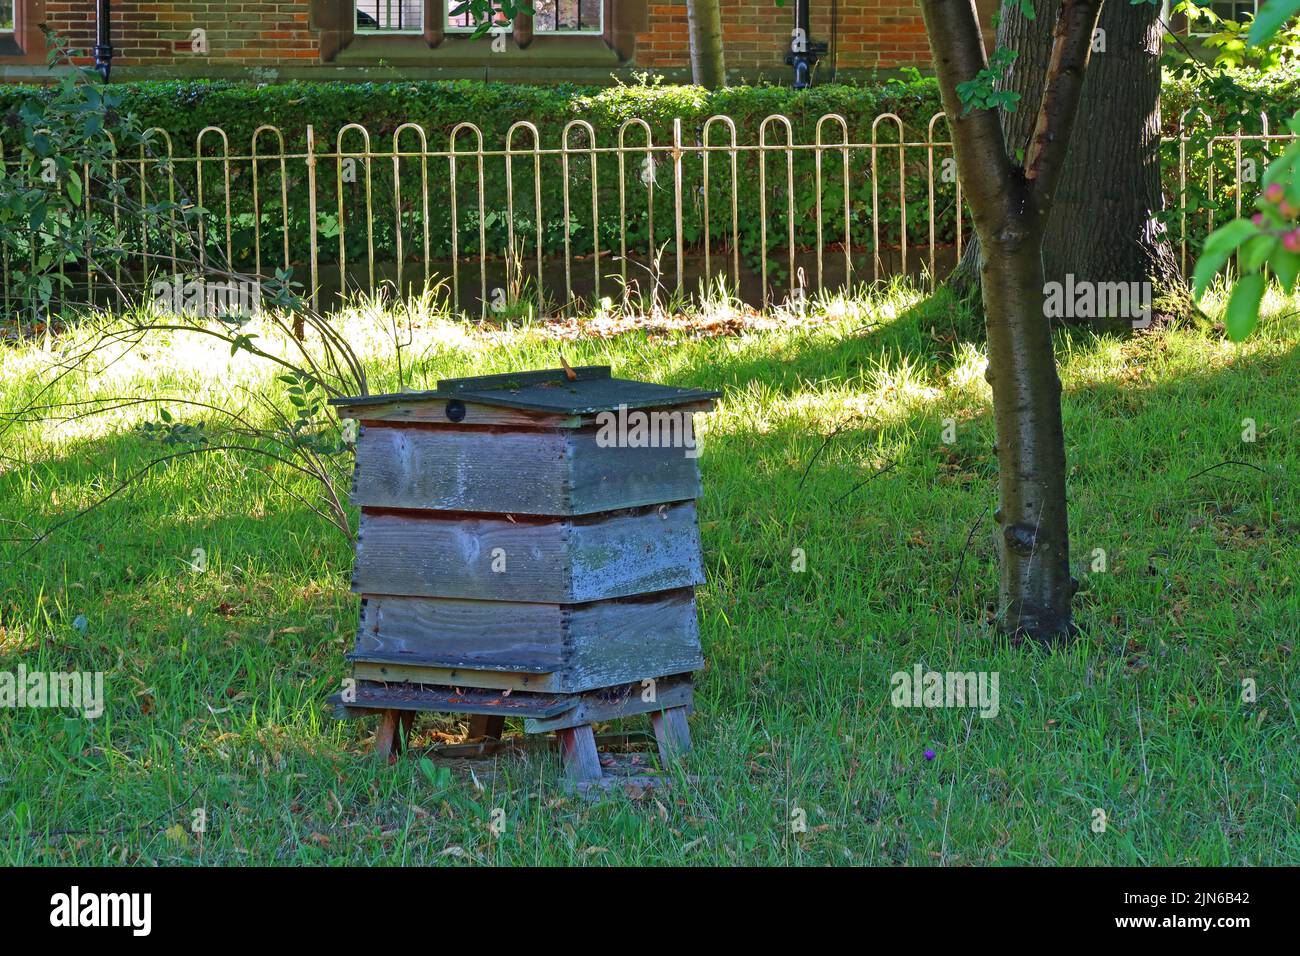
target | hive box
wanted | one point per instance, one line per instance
(530, 533)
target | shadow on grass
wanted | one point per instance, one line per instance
(1198, 590)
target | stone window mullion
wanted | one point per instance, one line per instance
(435, 21)
(523, 30)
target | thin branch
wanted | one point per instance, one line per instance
(826, 441)
(989, 179)
(956, 578)
(872, 477)
(184, 453)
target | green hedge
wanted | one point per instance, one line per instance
(185, 108)
(1222, 102)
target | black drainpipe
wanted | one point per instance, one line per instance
(103, 38)
(805, 59)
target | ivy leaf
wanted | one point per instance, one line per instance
(1243, 308)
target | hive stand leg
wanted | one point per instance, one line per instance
(671, 733)
(578, 752)
(386, 735)
(486, 725)
(394, 733)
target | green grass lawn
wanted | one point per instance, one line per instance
(215, 680)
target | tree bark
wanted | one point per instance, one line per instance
(708, 68)
(1011, 200)
(1103, 227)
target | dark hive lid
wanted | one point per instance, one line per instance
(550, 390)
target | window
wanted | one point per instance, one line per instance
(587, 34)
(388, 16)
(19, 41)
(1239, 10)
(462, 22)
(1230, 11)
(568, 16)
(555, 17)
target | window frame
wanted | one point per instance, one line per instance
(524, 23)
(453, 30)
(25, 44)
(388, 32)
(436, 47)
(1207, 33)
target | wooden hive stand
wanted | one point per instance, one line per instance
(525, 551)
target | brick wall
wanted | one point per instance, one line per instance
(158, 32)
(756, 34)
(245, 34)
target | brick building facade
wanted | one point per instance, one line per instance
(582, 41)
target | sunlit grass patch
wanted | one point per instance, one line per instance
(831, 440)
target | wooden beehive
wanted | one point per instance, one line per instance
(513, 540)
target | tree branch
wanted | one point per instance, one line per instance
(957, 45)
(1076, 22)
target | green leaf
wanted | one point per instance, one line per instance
(1256, 250)
(74, 187)
(1282, 165)
(1270, 19)
(1228, 237)
(1286, 266)
(1219, 245)
(1243, 308)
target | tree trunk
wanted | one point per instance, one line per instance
(708, 68)
(1035, 585)
(1103, 226)
(1011, 199)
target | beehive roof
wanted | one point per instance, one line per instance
(550, 390)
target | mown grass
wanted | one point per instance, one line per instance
(215, 680)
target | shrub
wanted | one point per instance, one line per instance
(184, 109)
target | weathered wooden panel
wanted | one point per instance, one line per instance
(424, 554)
(614, 702)
(524, 472)
(556, 391)
(398, 673)
(369, 697)
(455, 411)
(609, 478)
(561, 648)
(456, 633)
(534, 472)
(614, 642)
(635, 553)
